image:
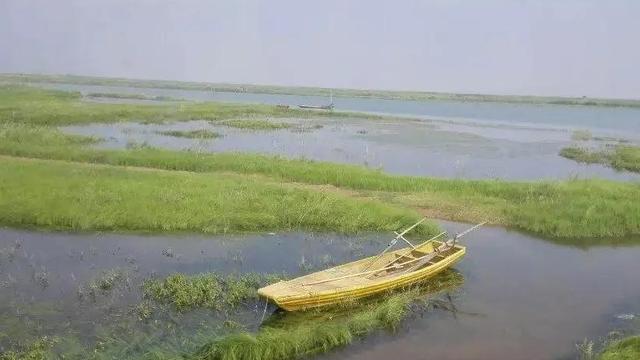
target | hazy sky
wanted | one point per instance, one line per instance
(545, 47)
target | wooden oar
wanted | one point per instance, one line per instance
(429, 255)
(393, 242)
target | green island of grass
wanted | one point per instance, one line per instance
(620, 157)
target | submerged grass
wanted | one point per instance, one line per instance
(620, 157)
(38, 350)
(193, 134)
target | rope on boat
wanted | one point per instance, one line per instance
(264, 312)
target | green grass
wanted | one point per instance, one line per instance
(34, 106)
(193, 134)
(38, 350)
(295, 335)
(560, 209)
(620, 157)
(575, 209)
(626, 349)
(253, 124)
(209, 290)
(58, 195)
(626, 157)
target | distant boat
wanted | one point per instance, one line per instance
(329, 106)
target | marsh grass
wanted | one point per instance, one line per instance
(625, 349)
(581, 135)
(103, 283)
(71, 196)
(37, 350)
(293, 335)
(253, 124)
(193, 134)
(572, 209)
(28, 105)
(209, 290)
(620, 157)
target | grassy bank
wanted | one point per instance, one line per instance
(37, 193)
(314, 91)
(626, 349)
(620, 157)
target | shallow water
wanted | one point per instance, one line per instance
(407, 147)
(620, 121)
(43, 274)
(522, 297)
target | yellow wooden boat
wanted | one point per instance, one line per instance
(369, 276)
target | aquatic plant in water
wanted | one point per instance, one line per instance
(38, 350)
(293, 335)
(209, 290)
(620, 157)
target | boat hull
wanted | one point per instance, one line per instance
(295, 295)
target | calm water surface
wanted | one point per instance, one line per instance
(621, 121)
(522, 298)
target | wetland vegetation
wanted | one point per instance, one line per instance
(626, 349)
(576, 209)
(53, 180)
(314, 91)
(620, 157)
